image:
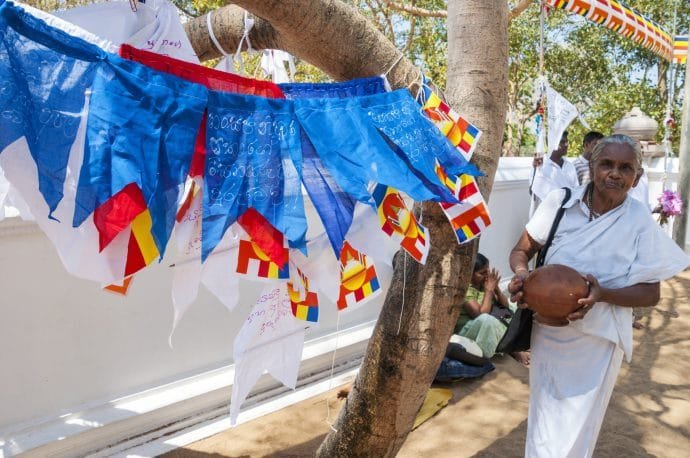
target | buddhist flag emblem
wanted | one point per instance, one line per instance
(400, 224)
(680, 49)
(304, 303)
(254, 262)
(358, 279)
(460, 132)
(470, 217)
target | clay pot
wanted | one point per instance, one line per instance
(552, 291)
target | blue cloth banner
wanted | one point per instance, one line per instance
(334, 206)
(354, 139)
(141, 129)
(44, 75)
(253, 159)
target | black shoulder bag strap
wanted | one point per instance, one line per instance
(519, 332)
(541, 256)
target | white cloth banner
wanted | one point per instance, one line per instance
(272, 340)
(560, 114)
(273, 63)
(157, 29)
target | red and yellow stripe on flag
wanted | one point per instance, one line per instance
(623, 20)
(142, 249)
(449, 182)
(116, 214)
(304, 303)
(599, 12)
(680, 49)
(400, 224)
(580, 7)
(253, 261)
(460, 132)
(470, 217)
(359, 282)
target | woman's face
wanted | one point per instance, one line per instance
(479, 276)
(615, 171)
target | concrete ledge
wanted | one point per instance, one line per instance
(147, 419)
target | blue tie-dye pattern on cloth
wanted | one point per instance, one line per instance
(44, 76)
(253, 160)
(334, 206)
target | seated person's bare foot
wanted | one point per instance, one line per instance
(637, 325)
(521, 357)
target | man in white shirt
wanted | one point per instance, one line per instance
(581, 163)
(555, 172)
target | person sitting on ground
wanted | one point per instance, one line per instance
(485, 313)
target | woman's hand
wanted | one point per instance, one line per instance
(587, 302)
(515, 287)
(492, 280)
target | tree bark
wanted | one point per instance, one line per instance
(422, 304)
(328, 34)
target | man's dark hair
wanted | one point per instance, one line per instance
(591, 136)
(480, 262)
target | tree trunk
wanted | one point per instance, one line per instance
(422, 304)
(662, 81)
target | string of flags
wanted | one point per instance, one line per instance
(622, 19)
(118, 150)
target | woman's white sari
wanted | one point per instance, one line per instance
(574, 368)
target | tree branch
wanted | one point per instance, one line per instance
(415, 10)
(423, 12)
(519, 8)
(312, 34)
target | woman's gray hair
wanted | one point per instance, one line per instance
(617, 139)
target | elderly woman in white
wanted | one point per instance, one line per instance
(616, 245)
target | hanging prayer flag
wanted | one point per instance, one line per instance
(560, 114)
(304, 302)
(254, 161)
(621, 19)
(358, 280)
(33, 106)
(253, 261)
(460, 132)
(470, 217)
(680, 49)
(334, 206)
(270, 340)
(400, 224)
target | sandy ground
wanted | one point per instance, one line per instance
(649, 414)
